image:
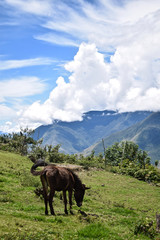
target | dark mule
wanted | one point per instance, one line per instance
(59, 179)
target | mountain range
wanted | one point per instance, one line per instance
(142, 127)
(145, 133)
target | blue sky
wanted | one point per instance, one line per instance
(61, 58)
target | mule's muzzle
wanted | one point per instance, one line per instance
(79, 204)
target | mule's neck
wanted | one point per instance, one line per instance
(78, 183)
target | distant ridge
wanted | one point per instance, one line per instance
(145, 133)
(76, 136)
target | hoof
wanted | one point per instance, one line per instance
(66, 212)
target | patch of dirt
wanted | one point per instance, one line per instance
(71, 166)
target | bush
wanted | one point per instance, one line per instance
(141, 174)
(149, 174)
(152, 176)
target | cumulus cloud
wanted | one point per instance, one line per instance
(13, 92)
(129, 81)
(85, 89)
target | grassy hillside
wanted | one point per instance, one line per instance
(114, 208)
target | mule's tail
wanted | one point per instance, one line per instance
(39, 163)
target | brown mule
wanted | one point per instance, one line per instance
(59, 179)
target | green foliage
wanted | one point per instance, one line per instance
(91, 161)
(119, 152)
(156, 163)
(17, 142)
(126, 158)
(53, 154)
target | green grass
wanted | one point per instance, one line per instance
(114, 206)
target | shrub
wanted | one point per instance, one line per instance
(141, 174)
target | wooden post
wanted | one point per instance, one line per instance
(104, 149)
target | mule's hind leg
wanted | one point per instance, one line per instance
(45, 193)
(65, 202)
(51, 195)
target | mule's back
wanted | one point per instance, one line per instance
(58, 178)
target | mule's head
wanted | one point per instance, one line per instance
(79, 194)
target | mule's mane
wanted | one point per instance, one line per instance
(78, 183)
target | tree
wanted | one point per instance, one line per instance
(18, 142)
(23, 140)
(156, 163)
(126, 151)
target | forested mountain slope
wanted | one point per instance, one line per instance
(145, 133)
(75, 136)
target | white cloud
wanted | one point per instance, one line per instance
(56, 39)
(37, 7)
(86, 89)
(129, 82)
(21, 87)
(10, 64)
(6, 112)
(105, 23)
(13, 93)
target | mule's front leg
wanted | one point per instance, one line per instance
(70, 201)
(51, 195)
(65, 202)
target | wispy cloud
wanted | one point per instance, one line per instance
(105, 23)
(10, 64)
(21, 87)
(37, 7)
(57, 39)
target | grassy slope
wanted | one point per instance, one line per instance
(114, 205)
